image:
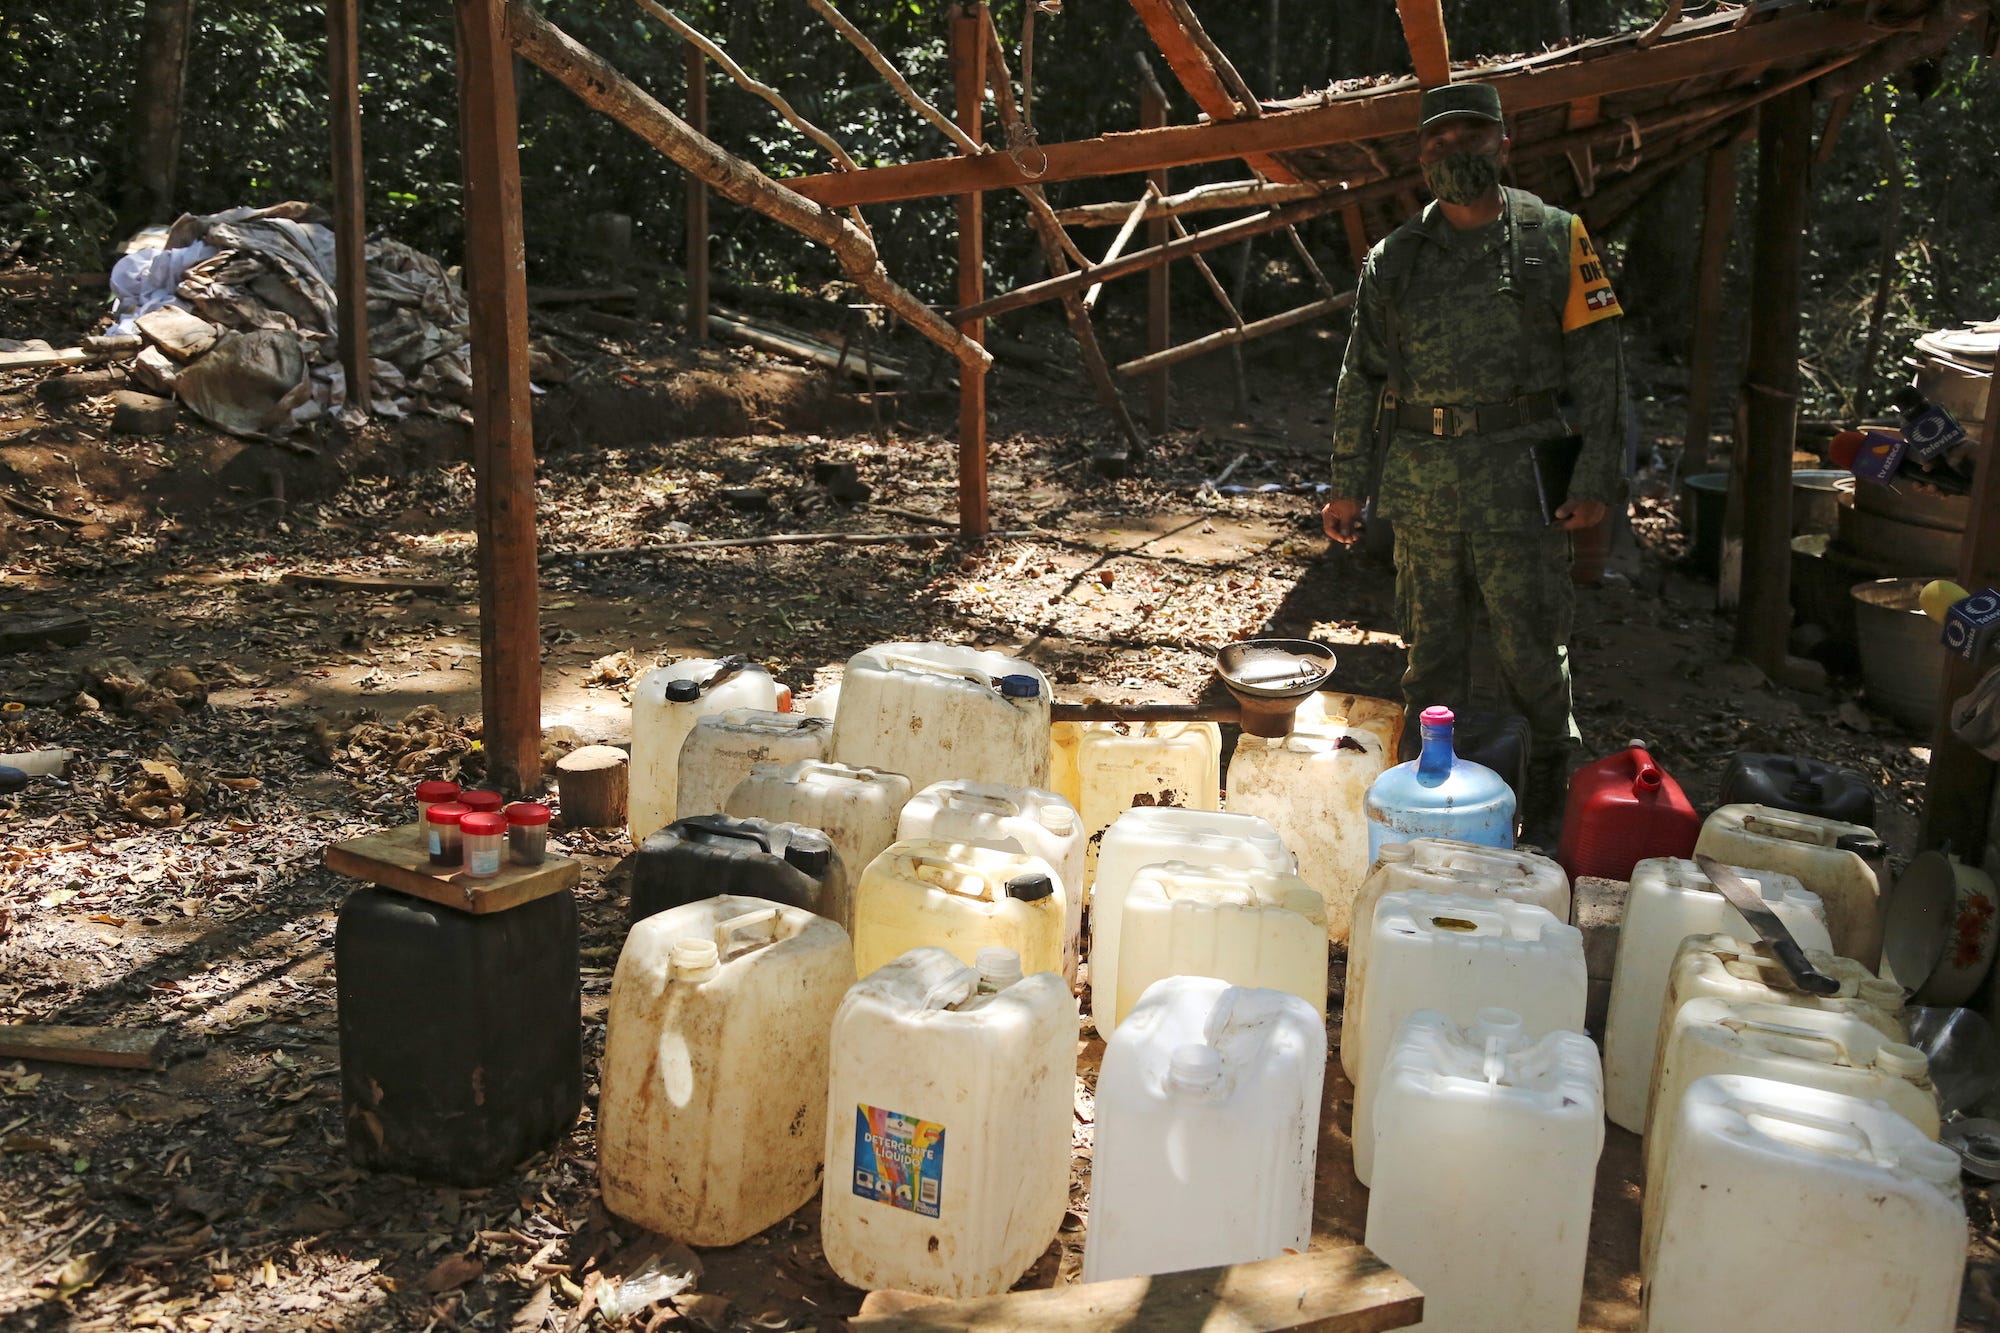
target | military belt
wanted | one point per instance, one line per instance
(1476, 419)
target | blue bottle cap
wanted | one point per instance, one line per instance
(1020, 687)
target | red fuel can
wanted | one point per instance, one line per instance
(1624, 809)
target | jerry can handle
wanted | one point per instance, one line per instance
(1777, 826)
(1791, 1117)
(955, 989)
(1789, 1040)
(909, 662)
(768, 919)
(942, 874)
(722, 826)
(977, 800)
(725, 668)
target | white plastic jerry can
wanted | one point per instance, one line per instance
(1793, 1207)
(1486, 1147)
(1459, 955)
(1380, 718)
(961, 898)
(666, 704)
(1245, 927)
(1312, 786)
(1449, 866)
(1120, 765)
(856, 808)
(711, 1119)
(1671, 900)
(723, 747)
(1811, 1047)
(1010, 819)
(1154, 835)
(1824, 855)
(937, 711)
(948, 1127)
(1207, 1130)
(1722, 967)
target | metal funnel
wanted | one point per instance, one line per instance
(1270, 677)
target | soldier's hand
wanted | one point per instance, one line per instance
(1341, 519)
(1576, 515)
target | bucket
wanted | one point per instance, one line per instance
(1902, 666)
(1817, 495)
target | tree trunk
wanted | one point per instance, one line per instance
(593, 785)
(156, 112)
(1658, 258)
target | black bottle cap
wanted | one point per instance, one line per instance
(1020, 687)
(1031, 887)
(682, 691)
(811, 851)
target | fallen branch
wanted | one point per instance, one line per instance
(777, 539)
(36, 511)
(369, 583)
(62, 356)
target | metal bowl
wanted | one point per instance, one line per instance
(1274, 668)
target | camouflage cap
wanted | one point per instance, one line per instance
(1459, 99)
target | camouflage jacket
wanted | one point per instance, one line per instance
(1484, 316)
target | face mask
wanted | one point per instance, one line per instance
(1461, 178)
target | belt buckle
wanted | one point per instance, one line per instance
(1438, 426)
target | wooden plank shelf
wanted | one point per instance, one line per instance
(399, 860)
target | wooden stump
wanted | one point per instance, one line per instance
(594, 783)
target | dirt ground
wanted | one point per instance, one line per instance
(174, 879)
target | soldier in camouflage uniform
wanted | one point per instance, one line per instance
(1482, 326)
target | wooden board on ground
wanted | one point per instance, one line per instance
(370, 583)
(60, 356)
(116, 1048)
(398, 860)
(1345, 1290)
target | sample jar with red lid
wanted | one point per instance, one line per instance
(441, 832)
(484, 833)
(435, 792)
(527, 832)
(485, 802)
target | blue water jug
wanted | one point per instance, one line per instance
(1439, 795)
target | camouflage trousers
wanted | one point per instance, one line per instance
(1523, 579)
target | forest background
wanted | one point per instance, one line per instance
(1902, 215)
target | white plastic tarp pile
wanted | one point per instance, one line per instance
(267, 362)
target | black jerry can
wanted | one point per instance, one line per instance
(704, 856)
(1802, 785)
(1502, 742)
(461, 1035)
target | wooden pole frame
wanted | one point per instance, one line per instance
(1771, 380)
(496, 290)
(697, 199)
(968, 64)
(1159, 290)
(1718, 215)
(1430, 49)
(350, 209)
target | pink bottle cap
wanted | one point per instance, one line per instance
(527, 812)
(1437, 715)
(483, 824)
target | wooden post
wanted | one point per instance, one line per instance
(1771, 380)
(164, 34)
(1159, 317)
(350, 209)
(1958, 797)
(697, 200)
(968, 61)
(1718, 212)
(503, 456)
(595, 783)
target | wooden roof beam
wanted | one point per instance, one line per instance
(1796, 37)
(1207, 75)
(1430, 49)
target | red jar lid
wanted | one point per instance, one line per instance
(446, 812)
(483, 824)
(486, 802)
(527, 812)
(430, 793)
